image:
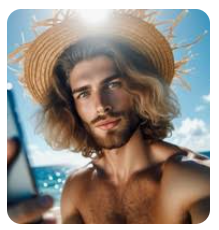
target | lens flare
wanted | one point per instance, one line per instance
(94, 16)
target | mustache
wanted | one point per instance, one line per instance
(109, 114)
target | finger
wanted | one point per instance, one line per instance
(31, 210)
(12, 149)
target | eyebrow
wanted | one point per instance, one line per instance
(86, 87)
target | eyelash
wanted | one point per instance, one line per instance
(81, 95)
(114, 84)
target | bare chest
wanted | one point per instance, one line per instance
(133, 203)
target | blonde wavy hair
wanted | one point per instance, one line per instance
(154, 101)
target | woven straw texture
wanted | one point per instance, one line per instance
(42, 54)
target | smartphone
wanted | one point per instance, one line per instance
(20, 181)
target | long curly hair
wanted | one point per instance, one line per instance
(154, 101)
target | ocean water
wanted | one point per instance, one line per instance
(50, 180)
(206, 153)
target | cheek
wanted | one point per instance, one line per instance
(84, 112)
(121, 99)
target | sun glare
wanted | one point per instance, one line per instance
(94, 16)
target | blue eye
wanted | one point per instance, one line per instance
(83, 95)
(114, 84)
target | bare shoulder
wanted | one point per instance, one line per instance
(188, 175)
(74, 187)
(163, 150)
(77, 179)
(186, 165)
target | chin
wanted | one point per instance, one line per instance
(113, 145)
(114, 141)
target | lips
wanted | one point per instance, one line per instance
(107, 124)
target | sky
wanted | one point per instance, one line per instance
(192, 127)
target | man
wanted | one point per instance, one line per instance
(105, 92)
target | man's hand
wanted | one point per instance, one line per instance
(31, 210)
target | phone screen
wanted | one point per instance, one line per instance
(20, 183)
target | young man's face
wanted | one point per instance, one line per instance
(102, 102)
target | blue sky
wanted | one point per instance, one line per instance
(192, 128)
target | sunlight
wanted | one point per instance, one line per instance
(94, 16)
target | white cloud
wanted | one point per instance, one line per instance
(193, 134)
(199, 108)
(206, 98)
(40, 157)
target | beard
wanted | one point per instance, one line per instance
(113, 139)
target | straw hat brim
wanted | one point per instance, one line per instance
(45, 50)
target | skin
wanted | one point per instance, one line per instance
(135, 181)
(30, 210)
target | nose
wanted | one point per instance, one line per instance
(104, 109)
(102, 105)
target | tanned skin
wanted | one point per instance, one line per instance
(140, 181)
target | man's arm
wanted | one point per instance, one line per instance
(191, 182)
(200, 210)
(69, 212)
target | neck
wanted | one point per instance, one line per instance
(120, 164)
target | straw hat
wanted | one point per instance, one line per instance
(40, 56)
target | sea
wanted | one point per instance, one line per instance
(51, 179)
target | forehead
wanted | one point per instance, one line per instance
(98, 68)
